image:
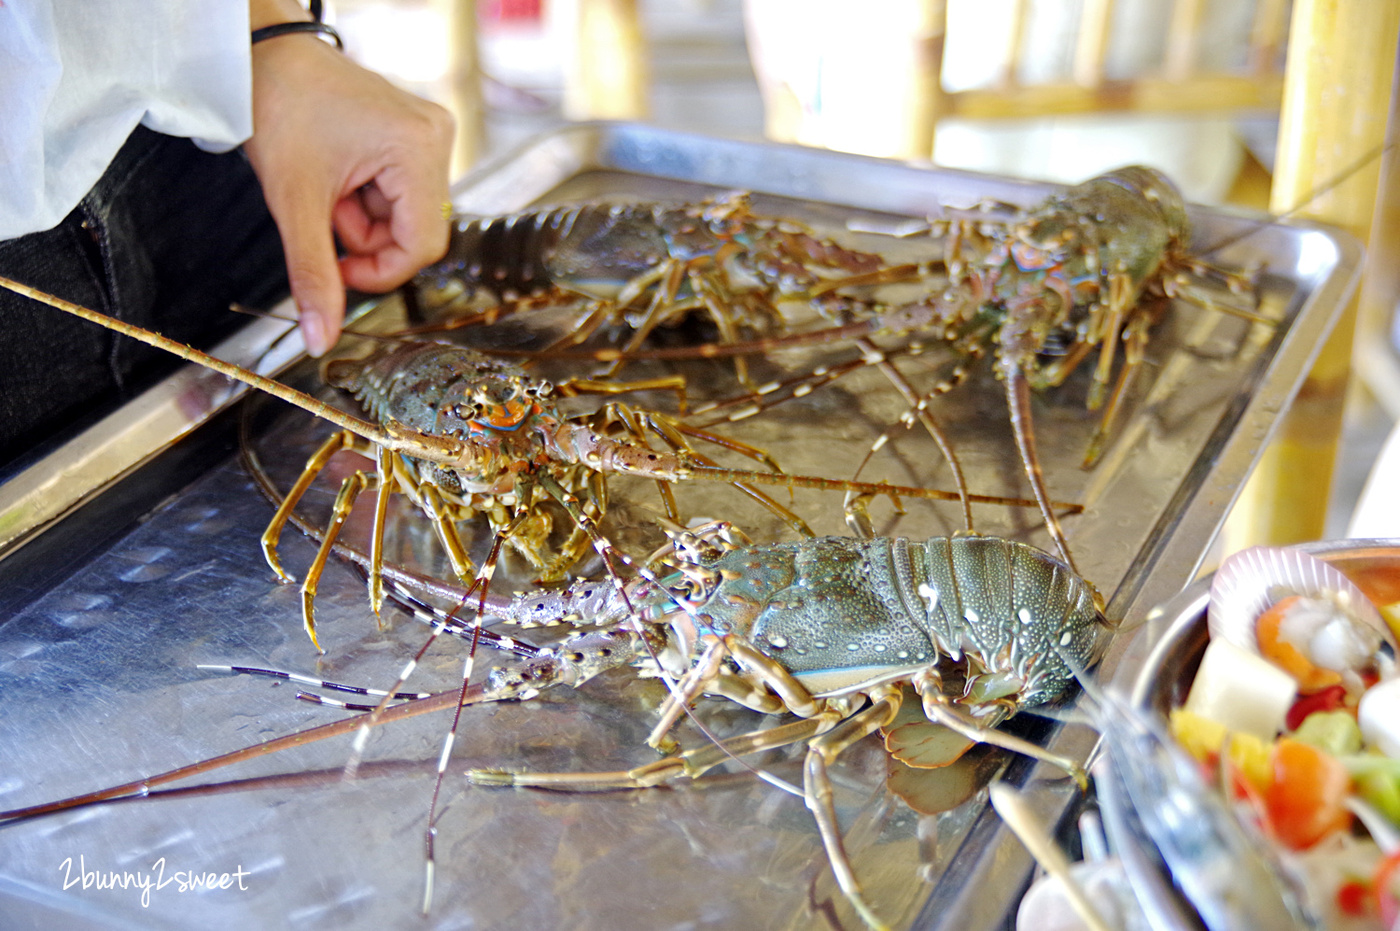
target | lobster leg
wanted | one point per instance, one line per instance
(938, 709)
(345, 499)
(314, 465)
(1120, 304)
(718, 301)
(349, 491)
(691, 763)
(785, 514)
(919, 409)
(446, 528)
(773, 674)
(762, 682)
(576, 386)
(421, 292)
(674, 435)
(595, 505)
(1134, 352)
(384, 461)
(830, 730)
(1054, 374)
(771, 394)
(674, 431)
(1018, 400)
(667, 276)
(705, 671)
(391, 474)
(598, 314)
(817, 792)
(663, 301)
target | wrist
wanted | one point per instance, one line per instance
(272, 19)
(315, 27)
(263, 13)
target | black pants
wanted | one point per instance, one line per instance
(168, 239)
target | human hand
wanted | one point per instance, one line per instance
(337, 147)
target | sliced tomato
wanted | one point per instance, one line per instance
(1307, 799)
(1354, 899)
(1332, 698)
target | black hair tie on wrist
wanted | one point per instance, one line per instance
(286, 29)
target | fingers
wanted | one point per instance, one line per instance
(361, 221)
(312, 270)
(341, 153)
(392, 227)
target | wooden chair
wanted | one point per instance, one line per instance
(1183, 79)
(1338, 97)
(1184, 82)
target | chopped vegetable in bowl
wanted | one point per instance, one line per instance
(1294, 713)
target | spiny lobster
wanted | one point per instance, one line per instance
(1039, 290)
(827, 629)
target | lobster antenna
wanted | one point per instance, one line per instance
(141, 788)
(402, 440)
(275, 388)
(1096, 697)
(254, 312)
(706, 351)
(349, 330)
(1314, 194)
(422, 610)
(711, 473)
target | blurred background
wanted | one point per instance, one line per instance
(1212, 93)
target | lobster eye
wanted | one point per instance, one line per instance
(502, 392)
(466, 411)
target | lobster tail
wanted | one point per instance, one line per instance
(505, 255)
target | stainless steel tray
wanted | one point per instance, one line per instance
(99, 681)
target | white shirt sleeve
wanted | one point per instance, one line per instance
(77, 76)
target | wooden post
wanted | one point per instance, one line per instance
(1337, 91)
(929, 101)
(606, 75)
(1376, 360)
(1091, 45)
(464, 85)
